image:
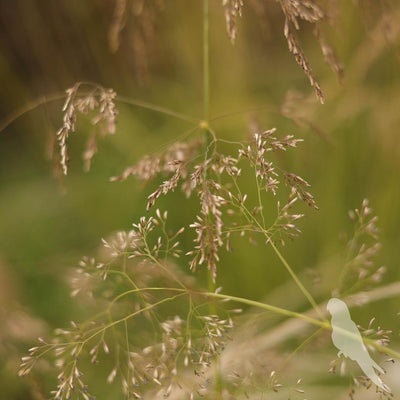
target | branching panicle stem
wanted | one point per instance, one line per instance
(206, 59)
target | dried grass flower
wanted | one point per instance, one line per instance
(97, 100)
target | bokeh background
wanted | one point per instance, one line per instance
(351, 146)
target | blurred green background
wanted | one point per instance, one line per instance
(351, 146)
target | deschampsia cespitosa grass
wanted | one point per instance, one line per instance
(159, 330)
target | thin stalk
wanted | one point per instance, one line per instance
(268, 307)
(206, 60)
(206, 101)
(298, 348)
(156, 108)
(208, 138)
(294, 277)
(127, 351)
(147, 308)
(30, 107)
(205, 124)
(325, 324)
(43, 100)
(251, 218)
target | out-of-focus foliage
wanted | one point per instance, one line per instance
(350, 151)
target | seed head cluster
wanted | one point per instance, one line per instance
(77, 101)
(216, 183)
(133, 282)
(360, 271)
(233, 10)
(294, 11)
